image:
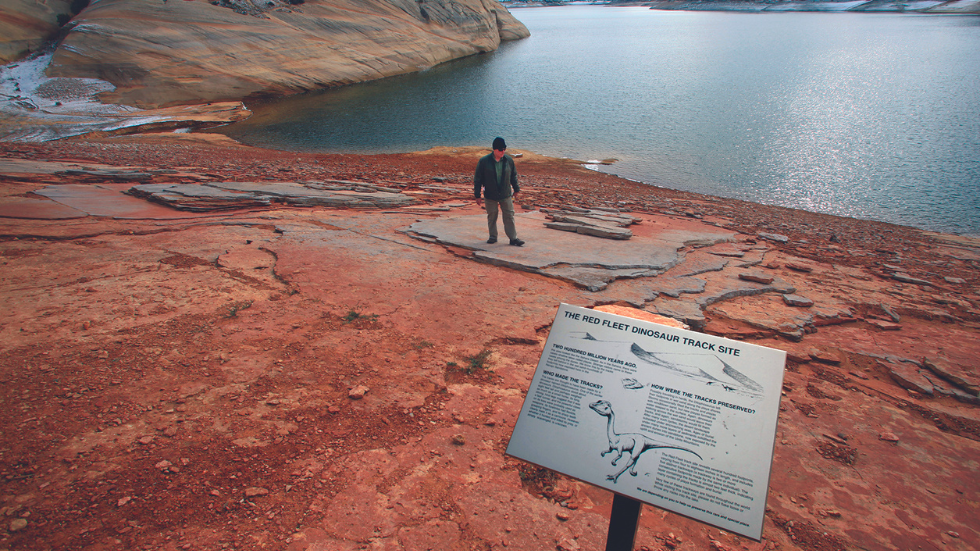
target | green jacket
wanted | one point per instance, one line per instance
(486, 178)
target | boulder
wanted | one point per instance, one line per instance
(213, 196)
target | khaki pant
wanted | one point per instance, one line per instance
(507, 207)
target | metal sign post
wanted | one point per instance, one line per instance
(623, 521)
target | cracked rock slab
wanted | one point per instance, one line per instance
(238, 195)
(577, 258)
(685, 311)
(775, 317)
(954, 374)
(726, 288)
(909, 376)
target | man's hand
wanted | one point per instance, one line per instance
(479, 202)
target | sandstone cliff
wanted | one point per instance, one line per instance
(26, 24)
(162, 53)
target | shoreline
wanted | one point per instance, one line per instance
(596, 167)
(201, 123)
(67, 108)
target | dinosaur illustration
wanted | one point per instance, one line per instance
(633, 443)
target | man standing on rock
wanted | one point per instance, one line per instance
(497, 176)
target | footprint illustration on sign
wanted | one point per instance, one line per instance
(723, 375)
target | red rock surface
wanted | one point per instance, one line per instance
(187, 381)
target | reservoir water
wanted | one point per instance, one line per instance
(872, 116)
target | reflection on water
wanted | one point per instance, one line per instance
(863, 115)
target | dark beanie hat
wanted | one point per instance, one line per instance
(499, 144)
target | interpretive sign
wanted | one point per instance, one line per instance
(677, 419)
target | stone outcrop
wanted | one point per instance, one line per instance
(164, 53)
(213, 196)
(25, 25)
(572, 256)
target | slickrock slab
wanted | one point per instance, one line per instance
(238, 195)
(577, 258)
(751, 258)
(942, 388)
(726, 288)
(590, 278)
(22, 168)
(824, 315)
(113, 175)
(698, 262)
(52, 121)
(676, 286)
(728, 249)
(955, 374)
(777, 317)
(686, 311)
(37, 209)
(108, 200)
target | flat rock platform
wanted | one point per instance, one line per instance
(581, 259)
